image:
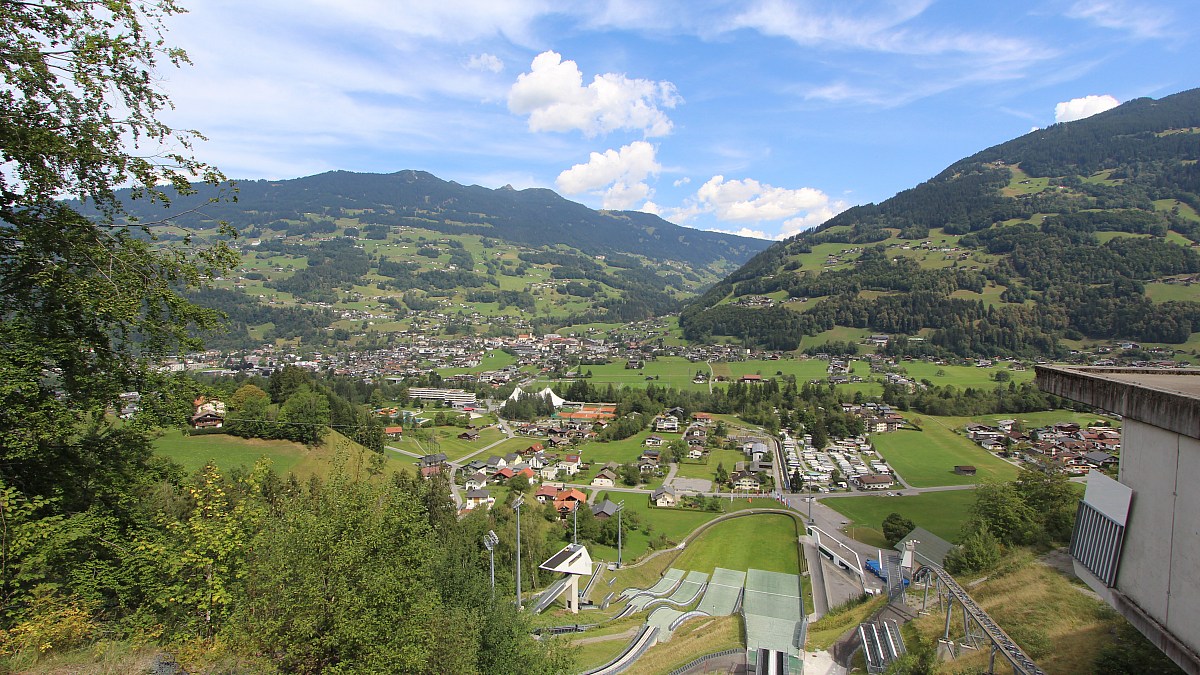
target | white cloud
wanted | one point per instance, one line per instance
(1079, 108)
(744, 232)
(485, 61)
(682, 181)
(750, 201)
(618, 175)
(1141, 21)
(555, 98)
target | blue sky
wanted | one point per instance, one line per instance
(761, 117)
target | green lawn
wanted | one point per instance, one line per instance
(725, 545)
(1159, 292)
(230, 452)
(942, 513)
(675, 524)
(964, 376)
(927, 458)
(715, 456)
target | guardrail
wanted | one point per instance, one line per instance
(684, 617)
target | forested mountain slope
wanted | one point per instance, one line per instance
(326, 255)
(1084, 230)
(533, 217)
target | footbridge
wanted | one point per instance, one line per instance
(980, 629)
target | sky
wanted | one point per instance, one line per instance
(757, 117)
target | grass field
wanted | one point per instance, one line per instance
(230, 452)
(693, 639)
(1159, 292)
(942, 513)
(725, 545)
(927, 458)
(1059, 627)
(964, 376)
(674, 524)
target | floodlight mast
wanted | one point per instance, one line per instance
(620, 508)
(489, 541)
(520, 499)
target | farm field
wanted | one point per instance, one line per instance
(942, 513)
(725, 545)
(927, 458)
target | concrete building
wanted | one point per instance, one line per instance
(1136, 539)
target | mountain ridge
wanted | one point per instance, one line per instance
(532, 216)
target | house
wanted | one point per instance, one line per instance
(964, 470)
(431, 471)
(873, 481)
(750, 378)
(495, 463)
(653, 441)
(746, 481)
(1101, 460)
(437, 459)
(695, 453)
(569, 464)
(468, 436)
(208, 414)
(393, 432)
(703, 418)
(549, 471)
(756, 451)
(567, 500)
(477, 481)
(666, 423)
(504, 474)
(605, 509)
(652, 456)
(606, 478)
(476, 498)
(526, 473)
(664, 497)
(546, 493)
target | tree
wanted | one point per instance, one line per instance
(678, 449)
(305, 416)
(248, 411)
(90, 304)
(979, 551)
(721, 474)
(895, 527)
(1006, 514)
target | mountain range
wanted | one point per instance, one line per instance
(1085, 231)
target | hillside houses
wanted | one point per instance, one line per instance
(1067, 446)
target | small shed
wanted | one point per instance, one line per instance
(964, 470)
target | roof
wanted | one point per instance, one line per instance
(929, 546)
(572, 559)
(606, 508)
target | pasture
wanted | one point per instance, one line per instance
(927, 458)
(942, 513)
